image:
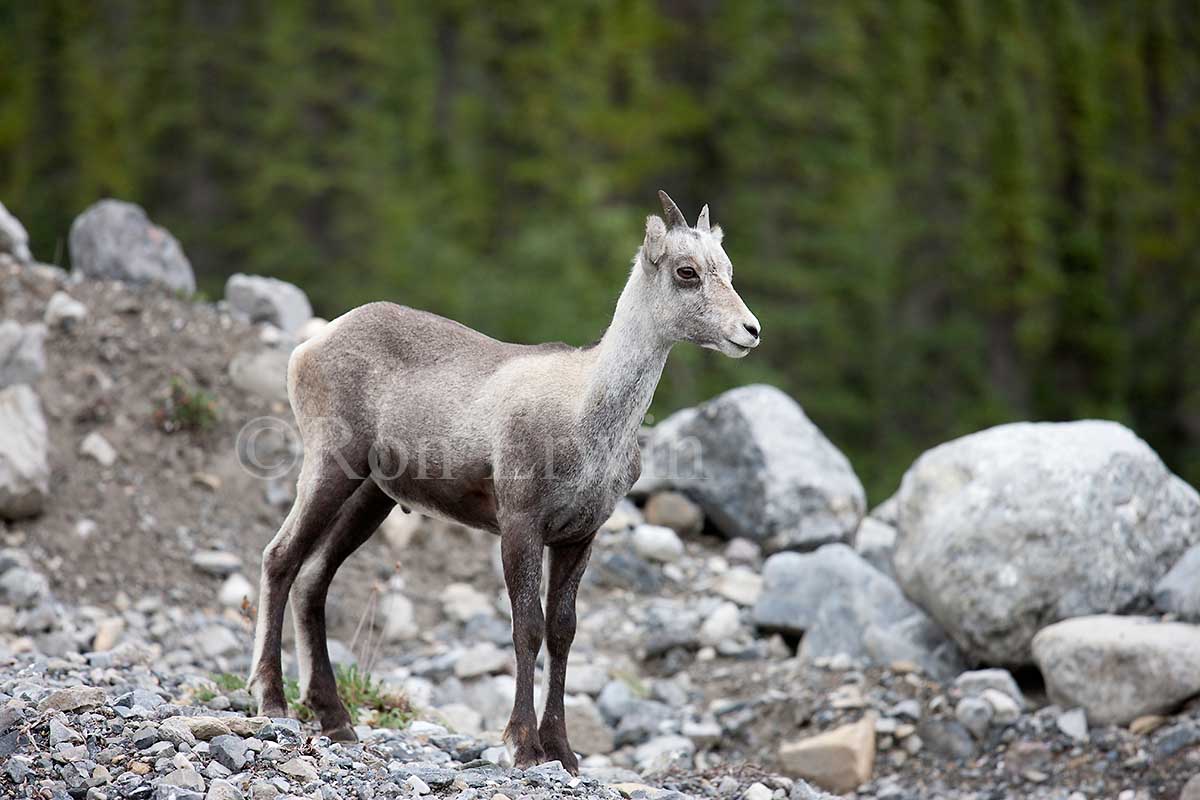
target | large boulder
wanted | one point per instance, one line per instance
(260, 299)
(115, 240)
(759, 468)
(1119, 668)
(1006, 531)
(22, 352)
(13, 238)
(24, 464)
(841, 604)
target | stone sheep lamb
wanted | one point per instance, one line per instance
(535, 443)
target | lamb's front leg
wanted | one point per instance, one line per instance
(567, 563)
(521, 552)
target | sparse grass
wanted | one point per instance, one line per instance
(222, 683)
(366, 698)
(362, 693)
(186, 408)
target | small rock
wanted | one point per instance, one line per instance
(757, 791)
(61, 734)
(229, 751)
(299, 768)
(1005, 710)
(743, 551)
(676, 511)
(399, 618)
(484, 658)
(64, 312)
(186, 778)
(417, 785)
(722, 624)
(586, 679)
(975, 714)
(976, 682)
(590, 734)
(216, 562)
(461, 718)
(216, 640)
(840, 760)
(236, 590)
(625, 516)
(947, 738)
(219, 789)
(108, 634)
(1074, 724)
(742, 585)
(202, 728)
(261, 371)
(462, 601)
(665, 752)
(657, 543)
(76, 698)
(256, 298)
(97, 447)
(1145, 725)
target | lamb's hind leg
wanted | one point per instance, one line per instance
(321, 490)
(521, 552)
(355, 523)
(567, 563)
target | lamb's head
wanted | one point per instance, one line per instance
(690, 284)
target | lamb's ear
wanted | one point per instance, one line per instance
(675, 217)
(717, 232)
(702, 220)
(655, 244)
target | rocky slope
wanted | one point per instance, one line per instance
(706, 665)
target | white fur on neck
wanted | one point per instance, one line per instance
(629, 361)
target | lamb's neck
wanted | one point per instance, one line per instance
(628, 363)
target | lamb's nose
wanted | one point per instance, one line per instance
(751, 329)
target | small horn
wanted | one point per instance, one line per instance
(702, 220)
(674, 215)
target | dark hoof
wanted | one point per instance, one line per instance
(557, 749)
(568, 760)
(530, 758)
(342, 733)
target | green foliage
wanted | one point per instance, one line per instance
(367, 700)
(945, 214)
(221, 683)
(186, 408)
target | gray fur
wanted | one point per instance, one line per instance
(533, 443)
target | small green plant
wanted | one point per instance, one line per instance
(221, 683)
(228, 682)
(367, 700)
(186, 408)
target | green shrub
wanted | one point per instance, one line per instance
(186, 408)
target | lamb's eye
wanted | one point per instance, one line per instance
(686, 273)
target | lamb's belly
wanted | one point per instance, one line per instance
(469, 501)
